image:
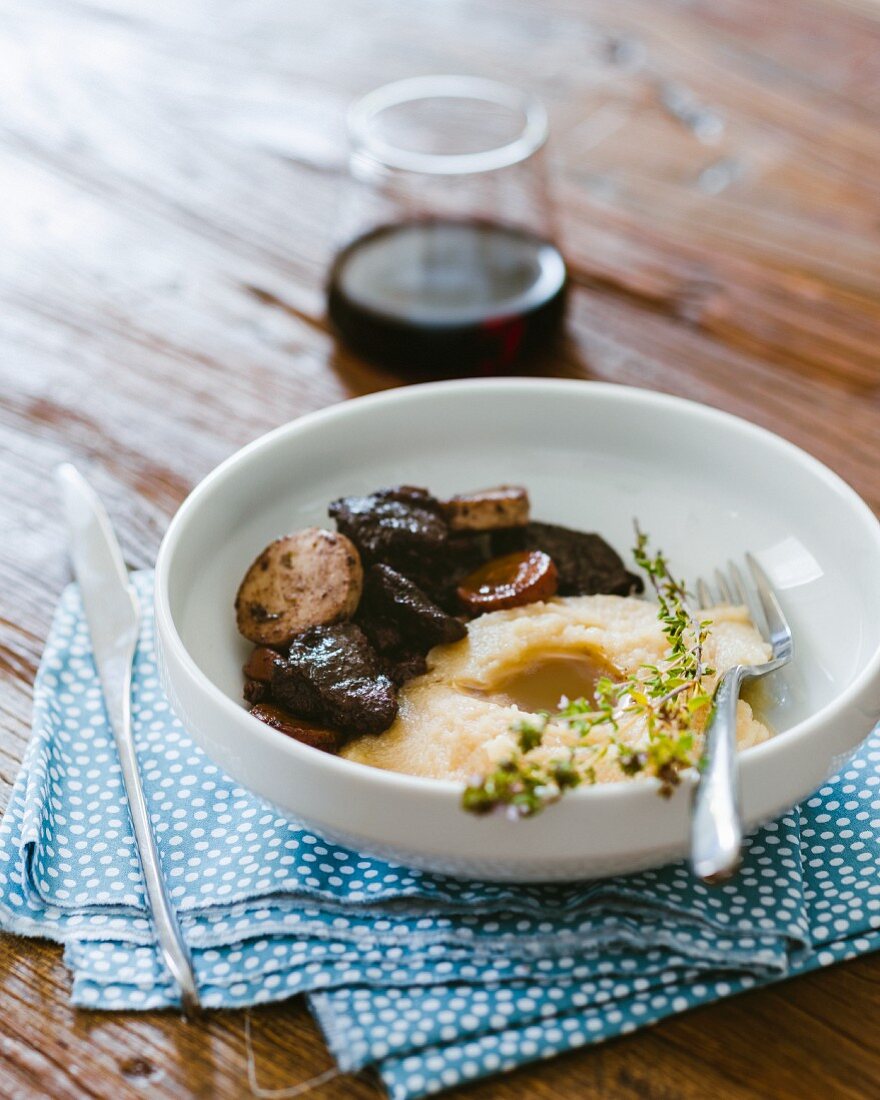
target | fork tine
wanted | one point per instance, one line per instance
(779, 630)
(703, 594)
(723, 589)
(747, 596)
(736, 582)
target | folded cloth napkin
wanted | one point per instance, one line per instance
(430, 980)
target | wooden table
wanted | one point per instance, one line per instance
(168, 181)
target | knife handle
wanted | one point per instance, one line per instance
(172, 945)
(113, 613)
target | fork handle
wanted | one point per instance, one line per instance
(716, 827)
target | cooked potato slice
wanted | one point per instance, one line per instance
(488, 509)
(308, 579)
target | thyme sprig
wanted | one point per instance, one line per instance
(668, 700)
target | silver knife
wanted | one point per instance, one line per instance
(113, 616)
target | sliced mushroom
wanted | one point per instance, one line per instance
(311, 578)
(488, 509)
(296, 728)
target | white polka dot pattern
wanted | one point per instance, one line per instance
(435, 981)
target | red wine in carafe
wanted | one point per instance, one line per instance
(447, 297)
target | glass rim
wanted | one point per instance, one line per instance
(528, 141)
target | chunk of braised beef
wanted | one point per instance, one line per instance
(384, 634)
(333, 676)
(397, 614)
(402, 526)
(469, 550)
(464, 553)
(586, 564)
(256, 691)
(401, 667)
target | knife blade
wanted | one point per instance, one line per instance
(113, 617)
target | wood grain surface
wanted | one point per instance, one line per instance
(169, 182)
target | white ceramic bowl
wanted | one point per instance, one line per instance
(705, 485)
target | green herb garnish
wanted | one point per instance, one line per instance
(669, 699)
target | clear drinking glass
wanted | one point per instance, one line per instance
(447, 263)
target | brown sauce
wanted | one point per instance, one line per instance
(541, 681)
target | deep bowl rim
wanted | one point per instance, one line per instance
(751, 759)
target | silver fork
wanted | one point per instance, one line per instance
(716, 826)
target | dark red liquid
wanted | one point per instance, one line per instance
(447, 297)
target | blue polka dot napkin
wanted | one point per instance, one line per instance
(430, 980)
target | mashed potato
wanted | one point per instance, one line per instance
(451, 727)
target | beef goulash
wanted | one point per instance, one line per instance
(342, 620)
